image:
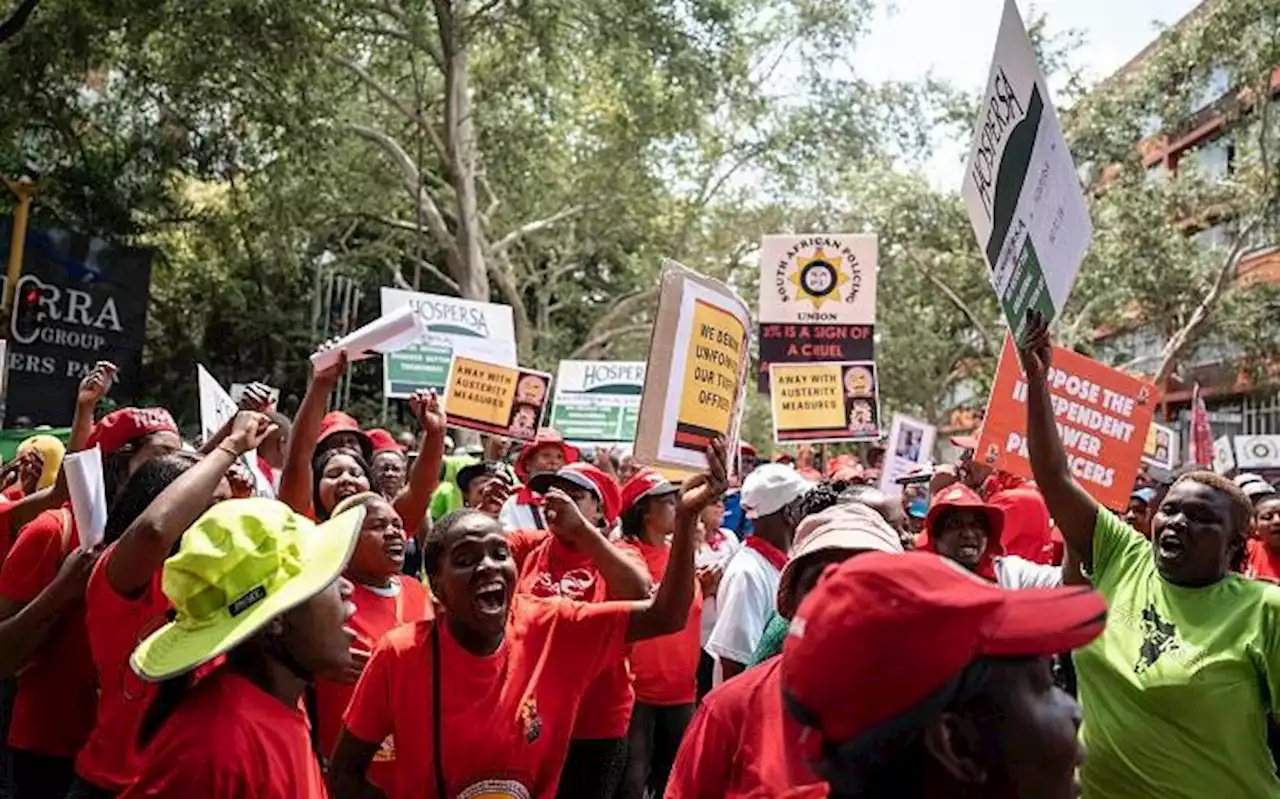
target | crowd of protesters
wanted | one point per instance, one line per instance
(392, 616)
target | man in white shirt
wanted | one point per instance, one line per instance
(749, 588)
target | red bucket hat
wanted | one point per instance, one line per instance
(643, 484)
(900, 627)
(383, 441)
(961, 497)
(546, 437)
(338, 422)
(121, 426)
(583, 475)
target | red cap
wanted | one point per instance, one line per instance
(546, 437)
(645, 483)
(383, 441)
(840, 462)
(783, 457)
(959, 496)
(338, 422)
(746, 450)
(881, 633)
(583, 475)
(121, 426)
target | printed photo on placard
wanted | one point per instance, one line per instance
(825, 402)
(492, 398)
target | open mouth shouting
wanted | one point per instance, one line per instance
(394, 549)
(491, 598)
(1171, 546)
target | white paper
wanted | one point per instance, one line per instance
(382, 335)
(216, 408)
(909, 447)
(88, 495)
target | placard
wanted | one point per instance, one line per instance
(453, 326)
(909, 447)
(493, 398)
(216, 409)
(598, 402)
(1020, 185)
(1224, 455)
(806, 343)
(1161, 448)
(825, 402)
(695, 378)
(1257, 452)
(1102, 414)
(820, 278)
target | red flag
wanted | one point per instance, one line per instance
(1200, 451)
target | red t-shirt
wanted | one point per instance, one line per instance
(376, 615)
(735, 747)
(117, 624)
(508, 717)
(229, 739)
(57, 688)
(1262, 563)
(6, 528)
(548, 568)
(666, 668)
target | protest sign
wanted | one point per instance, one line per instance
(1102, 416)
(824, 402)
(88, 493)
(494, 398)
(1020, 185)
(695, 379)
(216, 408)
(386, 334)
(910, 446)
(1161, 448)
(453, 326)
(826, 278)
(806, 343)
(598, 402)
(1257, 452)
(1224, 455)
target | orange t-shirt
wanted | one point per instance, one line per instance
(57, 688)
(666, 668)
(376, 615)
(548, 568)
(1262, 563)
(117, 624)
(508, 717)
(229, 739)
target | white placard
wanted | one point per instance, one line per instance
(1162, 447)
(1257, 452)
(1020, 185)
(88, 495)
(381, 336)
(824, 278)
(598, 402)
(909, 447)
(216, 408)
(1224, 457)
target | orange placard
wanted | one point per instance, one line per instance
(1103, 415)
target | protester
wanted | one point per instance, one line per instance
(261, 584)
(448, 497)
(544, 455)
(749, 587)
(734, 518)
(517, 667)
(125, 602)
(1138, 514)
(943, 687)
(716, 546)
(1264, 548)
(272, 450)
(384, 599)
(42, 460)
(664, 669)
(1257, 491)
(340, 430)
(390, 465)
(485, 486)
(1177, 692)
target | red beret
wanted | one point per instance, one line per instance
(121, 426)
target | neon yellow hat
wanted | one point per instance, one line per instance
(243, 563)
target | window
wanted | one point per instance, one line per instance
(1216, 84)
(1140, 348)
(1215, 160)
(1150, 125)
(1215, 238)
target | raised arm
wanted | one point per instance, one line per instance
(296, 478)
(143, 548)
(256, 397)
(1071, 507)
(414, 499)
(625, 577)
(670, 607)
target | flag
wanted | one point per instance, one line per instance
(1200, 451)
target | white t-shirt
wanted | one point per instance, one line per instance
(748, 594)
(726, 545)
(1014, 573)
(514, 516)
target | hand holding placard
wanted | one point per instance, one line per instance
(382, 335)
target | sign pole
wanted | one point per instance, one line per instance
(25, 189)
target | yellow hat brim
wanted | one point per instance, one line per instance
(179, 647)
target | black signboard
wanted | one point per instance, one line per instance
(79, 300)
(810, 343)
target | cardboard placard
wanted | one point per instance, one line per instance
(695, 378)
(821, 278)
(806, 343)
(1257, 452)
(825, 402)
(1161, 448)
(452, 326)
(502, 400)
(598, 402)
(1102, 416)
(1020, 185)
(909, 447)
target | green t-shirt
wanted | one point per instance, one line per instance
(448, 497)
(775, 633)
(1177, 690)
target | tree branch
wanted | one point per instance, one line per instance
(433, 270)
(389, 97)
(605, 324)
(16, 21)
(535, 226)
(960, 304)
(591, 346)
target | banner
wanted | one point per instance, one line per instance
(695, 379)
(216, 408)
(454, 326)
(806, 343)
(80, 300)
(492, 398)
(1102, 414)
(826, 278)
(1020, 185)
(909, 447)
(1202, 449)
(1161, 448)
(1257, 452)
(825, 402)
(598, 402)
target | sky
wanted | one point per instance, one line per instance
(954, 40)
